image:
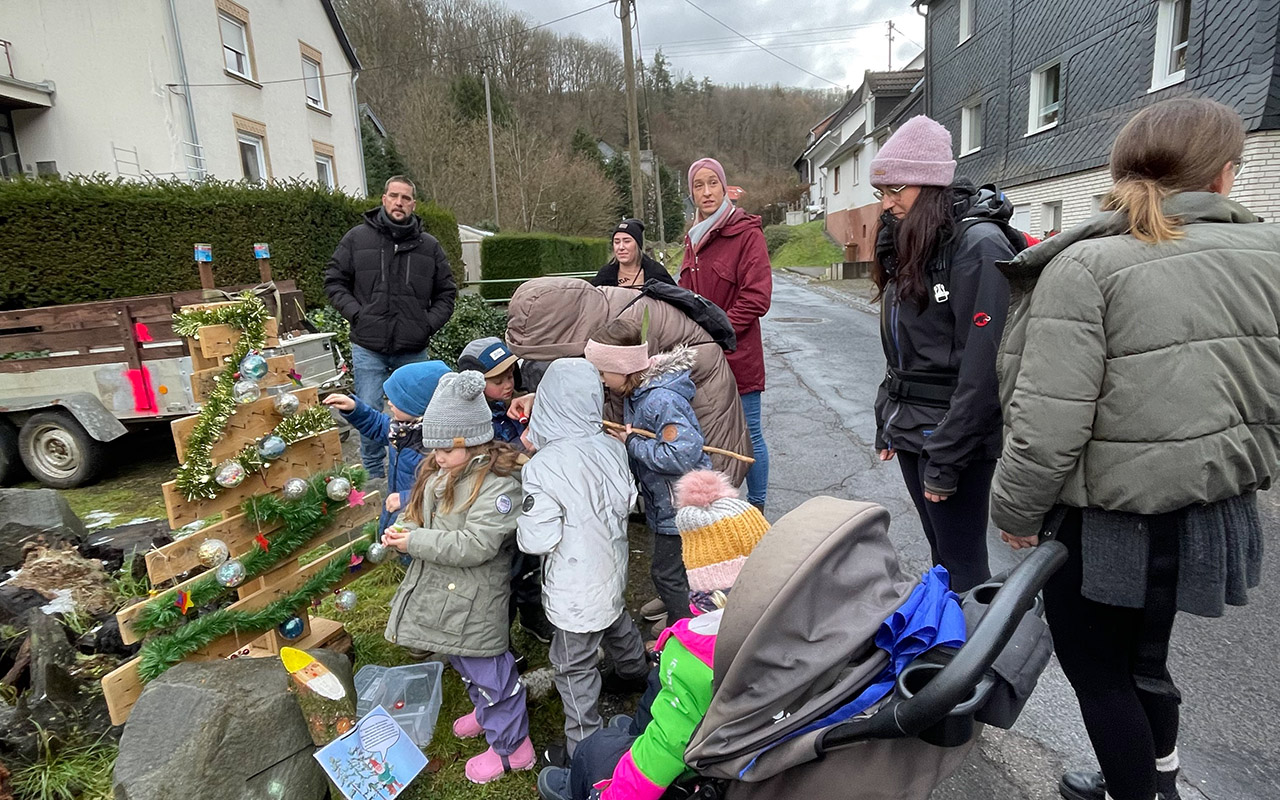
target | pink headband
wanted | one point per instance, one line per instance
(707, 163)
(622, 359)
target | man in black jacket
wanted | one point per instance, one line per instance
(391, 280)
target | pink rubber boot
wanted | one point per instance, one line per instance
(489, 766)
(467, 727)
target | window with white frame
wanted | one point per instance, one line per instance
(966, 21)
(835, 180)
(857, 164)
(253, 157)
(311, 83)
(235, 46)
(1046, 98)
(1099, 200)
(1173, 29)
(1051, 218)
(1022, 218)
(324, 171)
(970, 129)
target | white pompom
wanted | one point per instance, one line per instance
(470, 384)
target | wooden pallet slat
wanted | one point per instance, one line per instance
(250, 422)
(301, 459)
(217, 341)
(278, 369)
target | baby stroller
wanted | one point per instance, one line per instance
(797, 655)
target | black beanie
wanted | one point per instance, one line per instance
(633, 228)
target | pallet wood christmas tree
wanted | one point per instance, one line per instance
(198, 615)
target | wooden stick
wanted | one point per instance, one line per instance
(706, 448)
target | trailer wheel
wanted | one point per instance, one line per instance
(58, 452)
(10, 463)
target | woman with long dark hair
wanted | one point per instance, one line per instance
(943, 305)
(1139, 381)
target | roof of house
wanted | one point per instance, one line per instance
(851, 143)
(368, 114)
(893, 83)
(347, 49)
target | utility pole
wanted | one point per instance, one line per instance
(493, 170)
(657, 179)
(891, 45)
(633, 113)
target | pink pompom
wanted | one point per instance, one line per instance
(703, 487)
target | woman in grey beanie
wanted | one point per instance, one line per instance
(944, 305)
(459, 528)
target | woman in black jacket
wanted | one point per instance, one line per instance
(630, 267)
(943, 308)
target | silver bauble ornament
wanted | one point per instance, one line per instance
(377, 553)
(229, 475)
(230, 574)
(212, 553)
(295, 489)
(345, 601)
(286, 404)
(246, 391)
(253, 367)
(271, 447)
(338, 489)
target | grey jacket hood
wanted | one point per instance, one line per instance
(671, 371)
(570, 403)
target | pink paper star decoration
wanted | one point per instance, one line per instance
(356, 498)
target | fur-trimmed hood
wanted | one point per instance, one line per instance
(670, 363)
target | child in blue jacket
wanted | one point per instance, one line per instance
(657, 396)
(408, 391)
(492, 358)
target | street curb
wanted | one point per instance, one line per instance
(815, 285)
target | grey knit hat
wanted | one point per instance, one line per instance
(458, 415)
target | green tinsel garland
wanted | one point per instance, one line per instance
(302, 519)
(249, 316)
(316, 419)
(164, 651)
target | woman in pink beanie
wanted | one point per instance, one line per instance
(943, 306)
(727, 262)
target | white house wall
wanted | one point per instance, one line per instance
(111, 62)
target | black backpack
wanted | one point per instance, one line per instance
(707, 314)
(940, 274)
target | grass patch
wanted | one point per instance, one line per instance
(79, 771)
(808, 247)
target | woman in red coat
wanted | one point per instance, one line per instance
(726, 261)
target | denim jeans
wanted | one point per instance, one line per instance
(758, 475)
(370, 370)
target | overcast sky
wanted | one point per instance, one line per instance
(834, 40)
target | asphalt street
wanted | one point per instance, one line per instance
(824, 362)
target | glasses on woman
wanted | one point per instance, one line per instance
(1238, 167)
(888, 191)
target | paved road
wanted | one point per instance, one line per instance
(824, 361)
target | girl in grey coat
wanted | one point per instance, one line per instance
(578, 494)
(459, 531)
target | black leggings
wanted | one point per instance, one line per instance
(669, 576)
(957, 527)
(1127, 698)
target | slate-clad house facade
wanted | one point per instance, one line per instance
(1034, 91)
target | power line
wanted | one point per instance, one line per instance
(725, 25)
(774, 34)
(744, 47)
(411, 61)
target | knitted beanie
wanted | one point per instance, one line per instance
(410, 387)
(458, 415)
(917, 154)
(707, 163)
(717, 529)
(633, 228)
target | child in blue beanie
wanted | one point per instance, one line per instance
(408, 391)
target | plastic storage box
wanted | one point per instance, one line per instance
(410, 694)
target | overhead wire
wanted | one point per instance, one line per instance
(741, 35)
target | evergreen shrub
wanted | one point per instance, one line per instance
(532, 255)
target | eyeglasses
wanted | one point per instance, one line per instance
(1239, 166)
(891, 191)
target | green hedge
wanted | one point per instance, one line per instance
(87, 239)
(775, 236)
(532, 255)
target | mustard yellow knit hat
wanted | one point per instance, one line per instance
(717, 529)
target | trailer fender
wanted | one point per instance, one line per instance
(88, 410)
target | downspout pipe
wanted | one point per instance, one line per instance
(355, 108)
(186, 83)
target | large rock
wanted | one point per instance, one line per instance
(222, 729)
(125, 544)
(35, 515)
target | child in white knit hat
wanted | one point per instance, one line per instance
(459, 529)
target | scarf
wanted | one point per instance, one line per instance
(399, 231)
(698, 232)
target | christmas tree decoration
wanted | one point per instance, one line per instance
(292, 628)
(286, 404)
(338, 489)
(183, 602)
(230, 474)
(377, 553)
(295, 376)
(271, 447)
(231, 574)
(253, 366)
(356, 561)
(355, 498)
(212, 553)
(345, 600)
(326, 704)
(262, 542)
(246, 391)
(295, 489)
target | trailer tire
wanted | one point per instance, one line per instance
(10, 463)
(58, 452)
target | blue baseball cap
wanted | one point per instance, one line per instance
(489, 356)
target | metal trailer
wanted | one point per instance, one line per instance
(75, 377)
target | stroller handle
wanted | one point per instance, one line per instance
(957, 680)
